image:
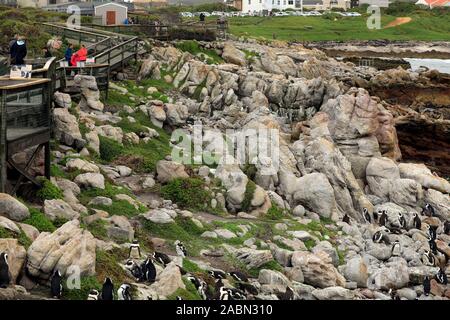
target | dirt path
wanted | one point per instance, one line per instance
(398, 21)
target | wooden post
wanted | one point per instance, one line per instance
(3, 142)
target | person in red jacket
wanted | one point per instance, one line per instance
(80, 55)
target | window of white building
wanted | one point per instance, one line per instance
(291, 2)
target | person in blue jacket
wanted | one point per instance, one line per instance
(68, 53)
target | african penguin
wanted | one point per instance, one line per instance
(287, 295)
(433, 246)
(366, 215)
(426, 286)
(396, 248)
(123, 293)
(236, 294)
(401, 221)
(377, 237)
(179, 298)
(431, 232)
(247, 287)
(380, 236)
(375, 215)
(161, 258)
(149, 270)
(180, 249)
(108, 290)
(56, 285)
(195, 281)
(93, 295)
(203, 291)
(441, 277)
(135, 250)
(428, 210)
(346, 219)
(383, 218)
(238, 276)
(428, 258)
(5, 277)
(217, 274)
(135, 270)
(224, 294)
(417, 223)
(447, 228)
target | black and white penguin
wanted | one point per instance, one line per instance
(108, 290)
(56, 285)
(135, 270)
(428, 210)
(161, 258)
(346, 219)
(124, 292)
(238, 276)
(135, 250)
(203, 291)
(433, 246)
(5, 276)
(447, 228)
(396, 248)
(224, 294)
(431, 232)
(383, 218)
(375, 215)
(428, 258)
(93, 295)
(287, 295)
(366, 215)
(217, 274)
(247, 287)
(236, 294)
(195, 281)
(441, 277)
(148, 270)
(401, 221)
(426, 286)
(417, 223)
(179, 298)
(180, 249)
(377, 237)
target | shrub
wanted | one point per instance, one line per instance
(275, 212)
(188, 193)
(86, 285)
(109, 149)
(248, 196)
(49, 191)
(40, 221)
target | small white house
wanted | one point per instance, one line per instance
(111, 13)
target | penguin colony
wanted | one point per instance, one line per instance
(431, 257)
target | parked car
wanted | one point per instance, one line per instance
(353, 14)
(186, 14)
(217, 13)
(315, 13)
(280, 14)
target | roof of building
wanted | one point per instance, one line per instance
(434, 3)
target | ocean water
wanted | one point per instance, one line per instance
(442, 65)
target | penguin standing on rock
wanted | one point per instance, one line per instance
(426, 286)
(217, 274)
(433, 246)
(180, 249)
(428, 210)
(346, 219)
(383, 218)
(375, 215)
(135, 250)
(149, 270)
(123, 293)
(287, 295)
(247, 287)
(56, 285)
(401, 221)
(428, 258)
(447, 228)
(224, 294)
(417, 223)
(380, 236)
(5, 277)
(238, 276)
(441, 277)
(161, 258)
(431, 232)
(108, 290)
(366, 215)
(396, 249)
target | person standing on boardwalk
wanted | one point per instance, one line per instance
(68, 53)
(18, 52)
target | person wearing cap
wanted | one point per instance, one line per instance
(18, 52)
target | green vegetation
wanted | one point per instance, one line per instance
(194, 48)
(191, 266)
(109, 149)
(49, 191)
(425, 25)
(110, 191)
(86, 285)
(190, 293)
(188, 193)
(121, 208)
(271, 265)
(248, 196)
(98, 229)
(40, 221)
(275, 212)
(21, 236)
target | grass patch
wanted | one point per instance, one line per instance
(86, 285)
(191, 266)
(109, 149)
(194, 48)
(49, 191)
(120, 208)
(188, 193)
(110, 191)
(275, 212)
(248, 196)
(190, 293)
(40, 221)
(98, 229)
(21, 237)
(271, 265)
